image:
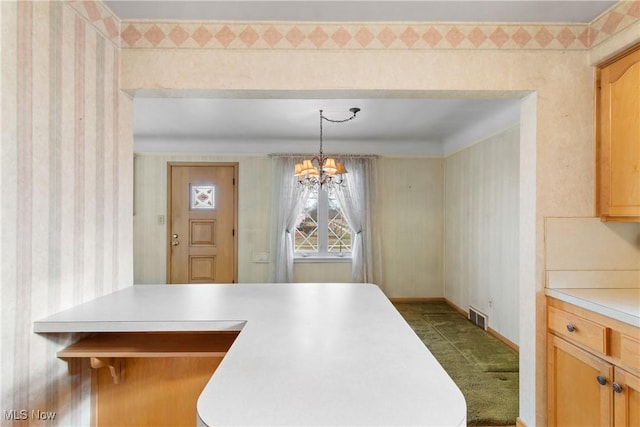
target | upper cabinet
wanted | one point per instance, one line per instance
(618, 138)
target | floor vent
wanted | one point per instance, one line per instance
(477, 318)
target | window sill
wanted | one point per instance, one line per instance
(322, 259)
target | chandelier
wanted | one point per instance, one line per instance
(321, 170)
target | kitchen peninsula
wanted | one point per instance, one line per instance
(305, 354)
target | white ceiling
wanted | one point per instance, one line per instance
(428, 126)
(289, 122)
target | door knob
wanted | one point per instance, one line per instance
(175, 243)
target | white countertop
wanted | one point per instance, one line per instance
(619, 304)
(307, 354)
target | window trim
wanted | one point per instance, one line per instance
(320, 259)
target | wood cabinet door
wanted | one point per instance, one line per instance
(202, 206)
(627, 399)
(619, 137)
(575, 395)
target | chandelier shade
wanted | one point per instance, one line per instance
(330, 167)
(321, 170)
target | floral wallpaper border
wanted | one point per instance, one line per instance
(288, 35)
(100, 17)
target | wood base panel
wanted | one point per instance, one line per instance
(154, 391)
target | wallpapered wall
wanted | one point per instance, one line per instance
(480, 186)
(61, 110)
(481, 229)
(66, 192)
(254, 204)
(410, 226)
(409, 232)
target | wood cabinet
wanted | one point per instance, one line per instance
(593, 375)
(627, 402)
(575, 396)
(618, 138)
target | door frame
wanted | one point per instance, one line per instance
(235, 166)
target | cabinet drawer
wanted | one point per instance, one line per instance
(579, 330)
(630, 352)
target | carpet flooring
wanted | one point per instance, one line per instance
(484, 368)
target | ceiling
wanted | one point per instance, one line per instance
(395, 125)
(289, 122)
(577, 11)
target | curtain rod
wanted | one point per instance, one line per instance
(373, 156)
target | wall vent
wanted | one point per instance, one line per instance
(477, 318)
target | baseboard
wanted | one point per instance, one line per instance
(520, 423)
(456, 308)
(416, 299)
(462, 312)
(505, 340)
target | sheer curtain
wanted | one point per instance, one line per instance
(287, 202)
(356, 200)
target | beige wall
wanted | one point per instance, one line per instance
(66, 192)
(254, 204)
(254, 218)
(322, 272)
(410, 206)
(410, 228)
(481, 229)
(589, 253)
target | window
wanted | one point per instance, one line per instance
(203, 197)
(323, 230)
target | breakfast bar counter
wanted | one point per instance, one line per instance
(305, 354)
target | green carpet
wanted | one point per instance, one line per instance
(484, 368)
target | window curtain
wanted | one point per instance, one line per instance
(356, 199)
(287, 202)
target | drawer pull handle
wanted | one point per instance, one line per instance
(570, 327)
(617, 387)
(601, 380)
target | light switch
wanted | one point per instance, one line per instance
(260, 257)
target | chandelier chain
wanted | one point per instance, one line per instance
(353, 116)
(354, 111)
(326, 171)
